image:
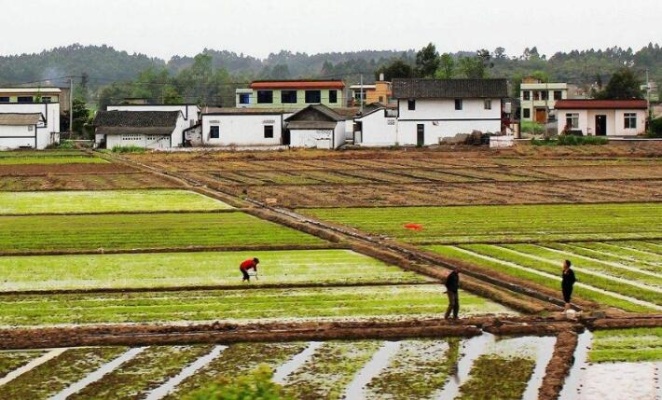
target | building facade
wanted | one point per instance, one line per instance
(538, 99)
(602, 117)
(292, 95)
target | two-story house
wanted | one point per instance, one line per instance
(538, 99)
(431, 109)
(292, 94)
(378, 92)
(31, 101)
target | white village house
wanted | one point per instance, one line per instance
(317, 126)
(602, 117)
(377, 128)
(148, 129)
(432, 109)
(240, 127)
(22, 131)
(30, 101)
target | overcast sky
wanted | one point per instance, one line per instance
(163, 28)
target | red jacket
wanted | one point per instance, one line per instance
(248, 264)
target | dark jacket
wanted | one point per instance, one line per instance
(453, 281)
(567, 279)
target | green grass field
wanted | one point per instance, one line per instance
(626, 345)
(496, 224)
(139, 231)
(396, 301)
(106, 201)
(160, 270)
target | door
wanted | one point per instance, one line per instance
(600, 125)
(420, 135)
(541, 115)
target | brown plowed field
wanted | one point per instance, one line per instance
(619, 172)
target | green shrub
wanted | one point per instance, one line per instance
(656, 128)
(571, 140)
(532, 127)
(128, 149)
(256, 385)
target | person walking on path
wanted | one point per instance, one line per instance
(249, 264)
(567, 280)
(452, 285)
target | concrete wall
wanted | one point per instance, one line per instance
(16, 136)
(301, 99)
(379, 130)
(242, 129)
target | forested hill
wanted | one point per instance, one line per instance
(103, 65)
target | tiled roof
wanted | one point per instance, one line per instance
(16, 119)
(449, 88)
(582, 104)
(244, 111)
(298, 84)
(305, 114)
(136, 119)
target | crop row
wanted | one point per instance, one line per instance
(493, 224)
(129, 231)
(51, 159)
(181, 269)
(247, 304)
(626, 345)
(83, 181)
(410, 369)
(546, 272)
(106, 201)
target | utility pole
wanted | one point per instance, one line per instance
(71, 106)
(648, 103)
(361, 96)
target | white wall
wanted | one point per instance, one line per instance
(21, 136)
(309, 138)
(378, 130)
(146, 141)
(51, 112)
(242, 129)
(615, 121)
(441, 119)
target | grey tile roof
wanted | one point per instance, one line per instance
(17, 119)
(136, 119)
(314, 112)
(449, 88)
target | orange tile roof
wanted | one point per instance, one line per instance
(297, 85)
(574, 104)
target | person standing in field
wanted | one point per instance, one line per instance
(247, 265)
(567, 280)
(452, 285)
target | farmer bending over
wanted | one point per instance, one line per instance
(251, 263)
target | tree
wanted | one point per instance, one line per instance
(622, 85)
(427, 61)
(476, 67)
(81, 116)
(396, 69)
(446, 68)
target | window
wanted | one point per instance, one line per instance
(214, 132)
(244, 98)
(288, 96)
(333, 96)
(411, 104)
(24, 99)
(458, 104)
(572, 120)
(4, 99)
(268, 131)
(265, 97)
(46, 99)
(630, 121)
(544, 95)
(313, 96)
(558, 95)
(526, 95)
(526, 113)
(488, 104)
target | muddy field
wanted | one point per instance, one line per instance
(526, 175)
